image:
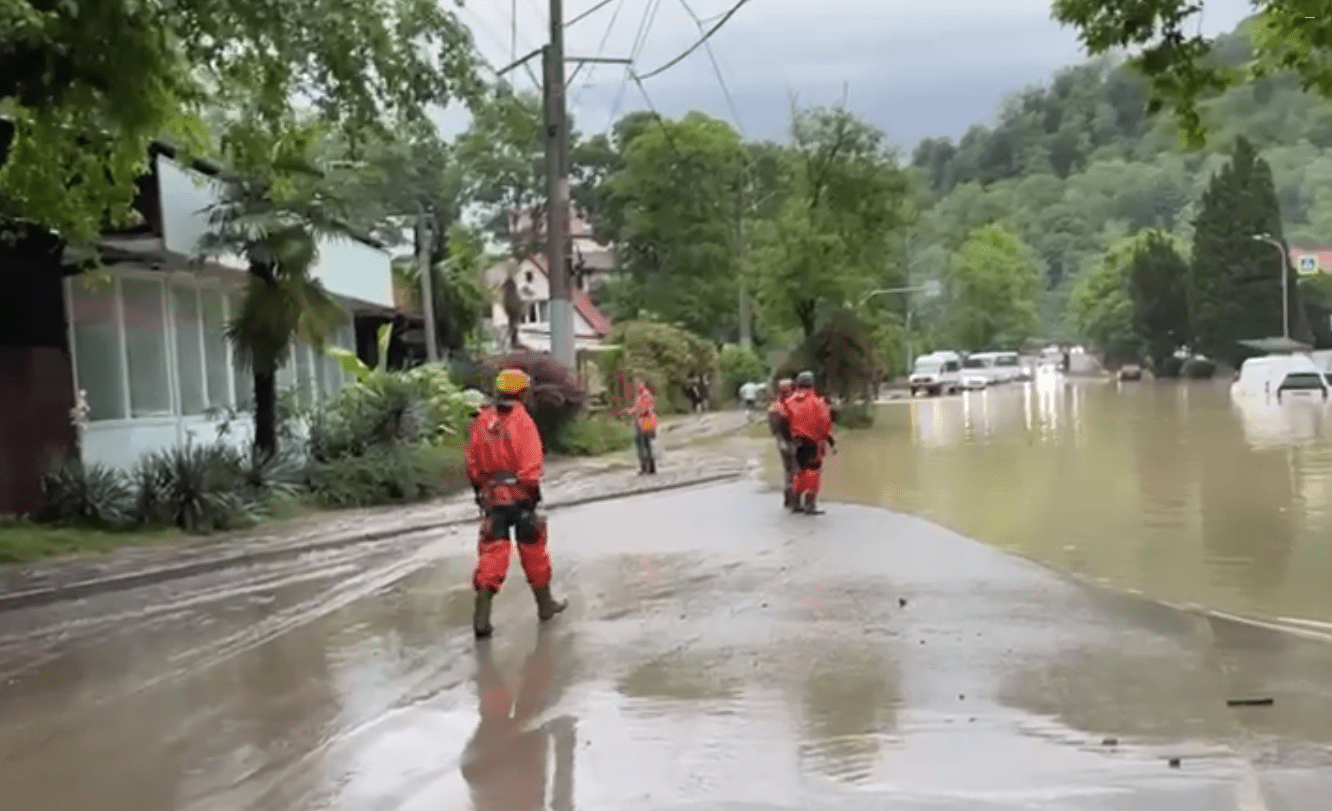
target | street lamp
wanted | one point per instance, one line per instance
(1285, 282)
(930, 289)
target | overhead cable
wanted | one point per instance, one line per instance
(702, 41)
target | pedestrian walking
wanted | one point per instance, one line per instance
(505, 465)
(811, 424)
(644, 413)
(781, 433)
(749, 396)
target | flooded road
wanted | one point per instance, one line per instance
(717, 654)
(1168, 489)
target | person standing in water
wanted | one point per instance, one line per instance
(811, 424)
(505, 463)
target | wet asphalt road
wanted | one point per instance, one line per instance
(717, 654)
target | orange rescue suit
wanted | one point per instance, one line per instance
(810, 420)
(505, 464)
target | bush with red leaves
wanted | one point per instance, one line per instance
(556, 396)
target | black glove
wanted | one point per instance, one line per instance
(476, 493)
(536, 494)
(831, 442)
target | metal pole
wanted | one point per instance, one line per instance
(1285, 295)
(557, 197)
(427, 284)
(908, 336)
(746, 333)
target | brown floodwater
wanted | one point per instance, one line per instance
(1167, 489)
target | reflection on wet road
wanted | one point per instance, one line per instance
(717, 653)
(1168, 489)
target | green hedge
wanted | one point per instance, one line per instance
(388, 475)
(593, 437)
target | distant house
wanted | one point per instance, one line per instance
(591, 326)
(593, 263)
(1311, 260)
(148, 347)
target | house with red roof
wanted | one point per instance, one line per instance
(1311, 260)
(593, 263)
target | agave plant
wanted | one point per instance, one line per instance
(72, 491)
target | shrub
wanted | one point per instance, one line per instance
(854, 415)
(593, 437)
(841, 356)
(668, 357)
(1198, 369)
(387, 475)
(739, 365)
(210, 487)
(556, 397)
(387, 408)
(94, 493)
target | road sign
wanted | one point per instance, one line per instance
(1308, 264)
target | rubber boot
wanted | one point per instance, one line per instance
(809, 505)
(481, 614)
(547, 606)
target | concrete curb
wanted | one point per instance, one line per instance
(101, 585)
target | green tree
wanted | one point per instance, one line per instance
(994, 287)
(1234, 288)
(1157, 285)
(837, 233)
(1183, 66)
(671, 211)
(86, 86)
(275, 220)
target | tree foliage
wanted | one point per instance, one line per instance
(1101, 308)
(1158, 289)
(86, 86)
(1234, 283)
(993, 286)
(668, 357)
(1183, 66)
(841, 206)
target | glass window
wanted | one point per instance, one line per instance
(244, 376)
(97, 356)
(189, 348)
(146, 347)
(215, 348)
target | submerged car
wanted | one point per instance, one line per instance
(1130, 371)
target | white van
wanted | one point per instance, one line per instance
(1280, 376)
(936, 373)
(998, 367)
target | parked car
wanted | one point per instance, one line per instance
(936, 373)
(1130, 371)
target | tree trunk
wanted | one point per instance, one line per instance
(265, 413)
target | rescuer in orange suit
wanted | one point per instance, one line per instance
(811, 423)
(781, 432)
(505, 465)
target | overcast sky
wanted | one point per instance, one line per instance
(916, 68)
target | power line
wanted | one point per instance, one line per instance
(649, 14)
(601, 48)
(702, 41)
(591, 11)
(716, 68)
(661, 121)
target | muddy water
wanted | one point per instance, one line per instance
(1167, 489)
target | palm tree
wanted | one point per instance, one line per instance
(276, 224)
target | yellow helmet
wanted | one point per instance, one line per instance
(512, 382)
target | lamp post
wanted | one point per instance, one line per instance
(930, 289)
(1285, 282)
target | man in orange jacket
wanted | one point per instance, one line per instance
(811, 424)
(505, 464)
(781, 432)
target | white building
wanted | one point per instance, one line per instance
(149, 348)
(590, 325)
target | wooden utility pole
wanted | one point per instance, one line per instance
(423, 243)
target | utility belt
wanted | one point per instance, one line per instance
(503, 490)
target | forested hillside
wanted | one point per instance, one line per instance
(1075, 166)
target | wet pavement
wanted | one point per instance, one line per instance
(718, 654)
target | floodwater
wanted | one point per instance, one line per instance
(1168, 489)
(718, 653)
